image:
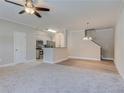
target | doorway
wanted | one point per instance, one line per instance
(19, 47)
(39, 49)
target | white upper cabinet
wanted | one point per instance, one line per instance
(60, 39)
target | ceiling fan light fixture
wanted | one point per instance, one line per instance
(29, 10)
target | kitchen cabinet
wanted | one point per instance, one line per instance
(60, 39)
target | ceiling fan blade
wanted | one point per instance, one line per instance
(42, 9)
(37, 14)
(21, 12)
(13, 2)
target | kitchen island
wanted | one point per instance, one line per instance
(55, 55)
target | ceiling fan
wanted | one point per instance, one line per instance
(30, 8)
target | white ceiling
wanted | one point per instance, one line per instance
(66, 14)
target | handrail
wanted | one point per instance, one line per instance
(96, 43)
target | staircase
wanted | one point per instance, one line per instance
(105, 39)
(100, 48)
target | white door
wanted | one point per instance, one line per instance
(19, 47)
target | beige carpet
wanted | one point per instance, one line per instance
(47, 78)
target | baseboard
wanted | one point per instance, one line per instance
(64, 59)
(108, 59)
(49, 62)
(84, 58)
(7, 65)
(58, 61)
(30, 61)
(13, 63)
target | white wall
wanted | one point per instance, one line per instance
(78, 48)
(105, 38)
(7, 30)
(119, 44)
